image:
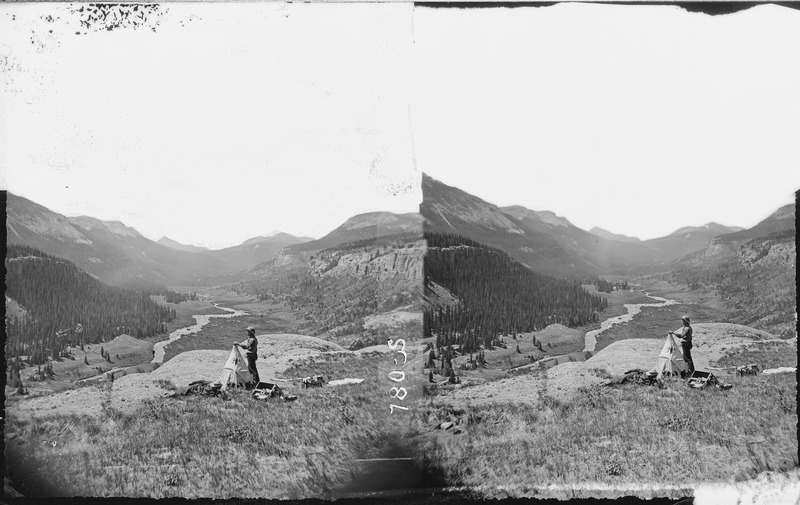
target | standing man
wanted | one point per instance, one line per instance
(685, 338)
(250, 346)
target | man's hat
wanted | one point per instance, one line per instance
(685, 318)
(250, 329)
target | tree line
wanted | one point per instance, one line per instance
(66, 306)
(497, 295)
(175, 297)
(606, 287)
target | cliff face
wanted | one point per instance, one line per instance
(755, 278)
(768, 254)
(402, 263)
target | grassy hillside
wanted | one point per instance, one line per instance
(670, 438)
(208, 447)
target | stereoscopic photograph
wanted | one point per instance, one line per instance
(212, 240)
(387, 251)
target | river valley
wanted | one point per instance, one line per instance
(632, 310)
(200, 321)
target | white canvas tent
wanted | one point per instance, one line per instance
(235, 373)
(670, 361)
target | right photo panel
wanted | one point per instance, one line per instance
(609, 283)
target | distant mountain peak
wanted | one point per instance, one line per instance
(546, 216)
(451, 207)
(378, 218)
(28, 218)
(174, 244)
(600, 232)
(782, 220)
(115, 227)
(785, 212)
(273, 236)
(710, 227)
(366, 226)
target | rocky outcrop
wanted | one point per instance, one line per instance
(401, 263)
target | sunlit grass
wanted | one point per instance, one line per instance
(619, 435)
(765, 354)
(198, 446)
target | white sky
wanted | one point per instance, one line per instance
(233, 120)
(636, 119)
(227, 122)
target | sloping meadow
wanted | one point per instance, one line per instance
(617, 440)
(198, 446)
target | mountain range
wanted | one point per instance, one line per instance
(541, 240)
(118, 254)
(551, 244)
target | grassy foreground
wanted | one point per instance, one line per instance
(209, 447)
(622, 436)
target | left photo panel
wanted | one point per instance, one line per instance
(214, 250)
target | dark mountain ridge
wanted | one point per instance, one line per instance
(524, 235)
(120, 255)
(551, 244)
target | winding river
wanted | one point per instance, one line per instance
(633, 309)
(200, 321)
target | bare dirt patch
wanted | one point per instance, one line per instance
(393, 319)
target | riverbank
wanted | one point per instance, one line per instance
(222, 332)
(632, 310)
(200, 322)
(654, 322)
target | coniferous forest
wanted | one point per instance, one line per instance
(64, 305)
(496, 295)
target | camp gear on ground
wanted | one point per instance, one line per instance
(699, 380)
(751, 369)
(638, 376)
(670, 360)
(316, 380)
(234, 373)
(267, 390)
(649, 378)
(201, 387)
